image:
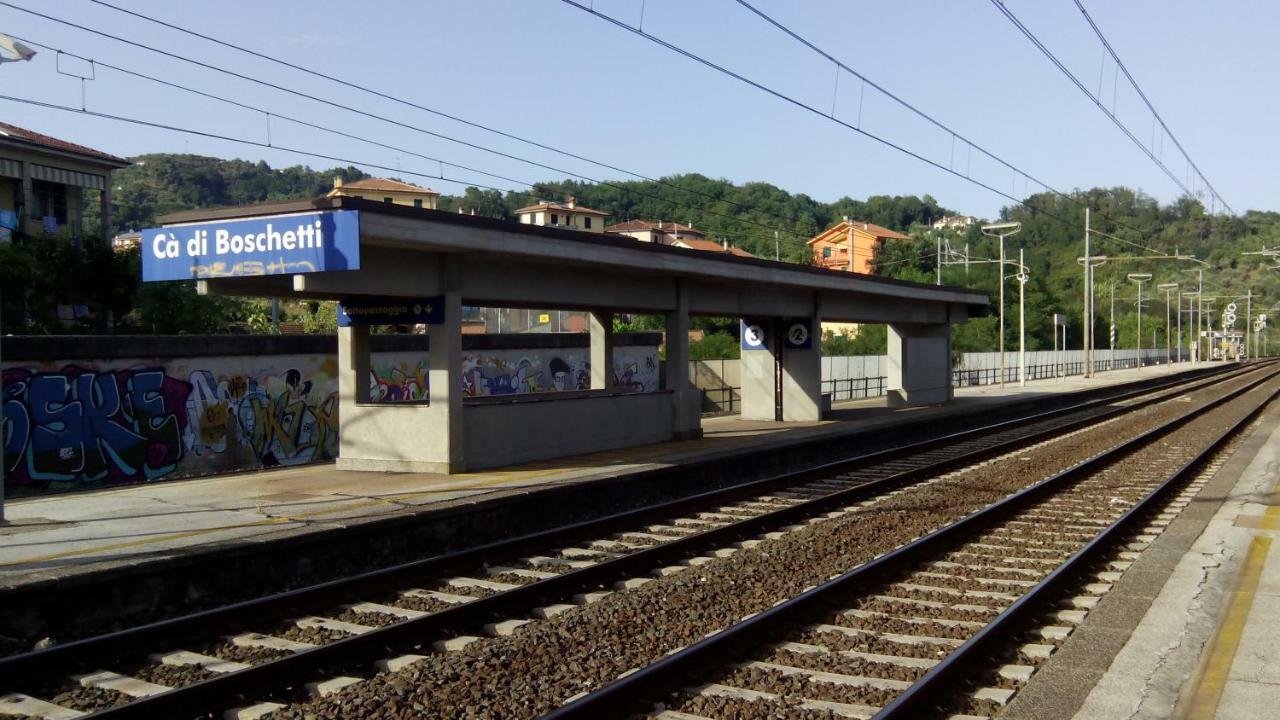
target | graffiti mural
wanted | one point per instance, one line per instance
(82, 425)
(91, 424)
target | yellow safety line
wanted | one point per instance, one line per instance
(1203, 702)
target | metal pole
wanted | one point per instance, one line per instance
(1088, 299)
(1179, 326)
(1001, 311)
(1168, 347)
(1139, 323)
(1022, 323)
(939, 263)
(777, 247)
(1111, 363)
(1199, 310)
(1248, 320)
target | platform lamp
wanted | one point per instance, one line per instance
(1002, 231)
(1168, 289)
(13, 52)
(1139, 278)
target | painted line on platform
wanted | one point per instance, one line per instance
(1204, 700)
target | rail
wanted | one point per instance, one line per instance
(265, 678)
(626, 694)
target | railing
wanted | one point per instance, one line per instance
(854, 388)
(722, 400)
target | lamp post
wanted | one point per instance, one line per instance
(1002, 231)
(1022, 322)
(1139, 278)
(1168, 289)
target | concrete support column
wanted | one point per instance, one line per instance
(602, 351)
(445, 383)
(802, 373)
(757, 368)
(686, 403)
(798, 385)
(353, 365)
(919, 370)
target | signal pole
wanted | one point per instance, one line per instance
(1086, 336)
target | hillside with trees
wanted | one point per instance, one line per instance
(37, 276)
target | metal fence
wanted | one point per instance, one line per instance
(854, 388)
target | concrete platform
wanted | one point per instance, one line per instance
(53, 538)
(1189, 631)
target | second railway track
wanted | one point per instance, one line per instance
(437, 622)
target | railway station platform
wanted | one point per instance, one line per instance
(57, 538)
(1189, 631)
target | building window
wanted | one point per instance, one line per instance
(417, 202)
(51, 201)
(826, 252)
(586, 223)
(555, 218)
(388, 200)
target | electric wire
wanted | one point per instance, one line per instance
(1088, 93)
(242, 141)
(410, 103)
(804, 106)
(1120, 64)
(348, 108)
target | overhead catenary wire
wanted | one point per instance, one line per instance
(1154, 114)
(349, 108)
(1088, 93)
(854, 128)
(411, 104)
(241, 141)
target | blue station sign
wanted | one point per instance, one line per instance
(753, 334)
(278, 245)
(391, 311)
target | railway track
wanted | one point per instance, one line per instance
(952, 623)
(300, 645)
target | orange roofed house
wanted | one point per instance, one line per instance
(850, 245)
(393, 192)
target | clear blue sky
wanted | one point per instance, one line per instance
(541, 69)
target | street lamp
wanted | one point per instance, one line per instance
(1002, 231)
(1168, 289)
(1139, 278)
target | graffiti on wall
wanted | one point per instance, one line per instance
(89, 424)
(81, 424)
(513, 372)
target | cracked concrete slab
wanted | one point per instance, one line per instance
(1136, 651)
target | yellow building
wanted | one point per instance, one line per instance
(388, 191)
(567, 214)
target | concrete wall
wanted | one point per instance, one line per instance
(503, 433)
(107, 411)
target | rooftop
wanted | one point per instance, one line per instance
(660, 226)
(382, 184)
(569, 206)
(871, 228)
(30, 137)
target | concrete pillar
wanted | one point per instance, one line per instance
(686, 402)
(919, 370)
(802, 372)
(353, 365)
(445, 383)
(757, 368)
(601, 350)
(800, 381)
